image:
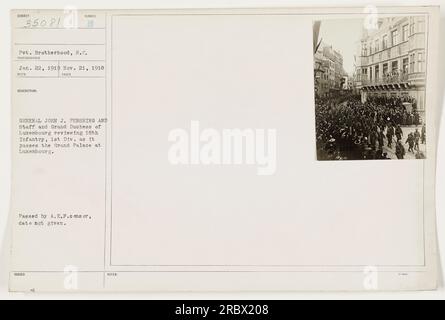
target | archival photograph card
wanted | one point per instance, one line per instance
(224, 149)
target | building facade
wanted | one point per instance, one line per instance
(328, 71)
(392, 60)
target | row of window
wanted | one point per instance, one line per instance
(409, 65)
(327, 76)
(382, 44)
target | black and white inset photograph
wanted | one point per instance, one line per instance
(369, 86)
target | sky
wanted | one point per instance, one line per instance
(344, 36)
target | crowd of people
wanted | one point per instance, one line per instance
(349, 129)
(401, 115)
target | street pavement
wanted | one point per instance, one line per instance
(408, 154)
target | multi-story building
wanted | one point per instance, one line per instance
(321, 73)
(392, 60)
(328, 71)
